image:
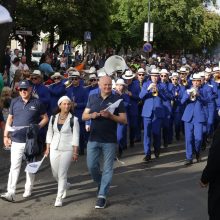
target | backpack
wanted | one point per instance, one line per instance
(71, 121)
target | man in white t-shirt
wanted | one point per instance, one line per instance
(22, 64)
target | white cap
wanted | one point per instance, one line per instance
(208, 70)
(128, 75)
(74, 73)
(196, 76)
(120, 81)
(215, 69)
(174, 74)
(182, 69)
(92, 69)
(154, 72)
(62, 99)
(92, 76)
(141, 70)
(164, 71)
(202, 74)
(36, 72)
(101, 72)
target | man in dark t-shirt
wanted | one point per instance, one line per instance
(24, 110)
(103, 136)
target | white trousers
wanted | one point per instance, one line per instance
(60, 162)
(17, 151)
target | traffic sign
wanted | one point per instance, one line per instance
(87, 36)
(23, 32)
(147, 47)
(147, 32)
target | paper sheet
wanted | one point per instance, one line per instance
(111, 108)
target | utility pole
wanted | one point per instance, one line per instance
(148, 37)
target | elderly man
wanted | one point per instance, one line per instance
(103, 137)
(24, 110)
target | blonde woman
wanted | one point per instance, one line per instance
(62, 145)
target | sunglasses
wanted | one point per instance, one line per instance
(75, 78)
(56, 78)
(23, 89)
(163, 76)
(140, 74)
(34, 78)
(93, 80)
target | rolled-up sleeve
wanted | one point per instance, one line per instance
(75, 140)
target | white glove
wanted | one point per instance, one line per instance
(188, 91)
(219, 112)
(87, 128)
(150, 86)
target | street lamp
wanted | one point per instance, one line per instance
(148, 37)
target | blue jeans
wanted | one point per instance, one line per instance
(104, 178)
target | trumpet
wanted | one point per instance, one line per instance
(68, 83)
(217, 78)
(155, 91)
(193, 94)
(184, 82)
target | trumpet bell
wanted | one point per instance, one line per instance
(113, 64)
(68, 83)
(155, 93)
(217, 78)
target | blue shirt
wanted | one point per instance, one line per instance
(46, 68)
(102, 129)
(25, 114)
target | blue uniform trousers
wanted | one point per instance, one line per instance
(152, 125)
(193, 138)
(133, 127)
(122, 135)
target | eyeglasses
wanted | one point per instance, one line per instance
(55, 78)
(140, 74)
(93, 80)
(23, 89)
(163, 76)
(75, 78)
(34, 78)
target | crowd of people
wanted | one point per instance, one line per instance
(166, 97)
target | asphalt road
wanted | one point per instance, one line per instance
(162, 190)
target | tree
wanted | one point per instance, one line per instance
(7, 27)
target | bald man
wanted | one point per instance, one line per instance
(103, 136)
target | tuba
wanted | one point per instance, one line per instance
(115, 63)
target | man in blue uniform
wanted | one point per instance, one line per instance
(152, 95)
(79, 96)
(194, 118)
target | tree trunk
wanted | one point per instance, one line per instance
(51, 39)
(7, 27)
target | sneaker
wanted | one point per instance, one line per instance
(58, 202)
(10, 197)
(100, 203)
(27, 193)
(68, 185)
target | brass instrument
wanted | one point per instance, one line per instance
(217, 78)
(68, 83)
(154, 91)
(193, 94)
(184, 82)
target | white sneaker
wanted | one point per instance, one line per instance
(68, 185)
(27, 193)
(10, 197)
(58, 202)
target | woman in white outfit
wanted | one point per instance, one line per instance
(62, 145)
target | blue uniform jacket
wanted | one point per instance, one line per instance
(134, 88)
(56, 91)
(194, 110)
(178, 107)
(153, 104)
(44, 96)
(79, 95)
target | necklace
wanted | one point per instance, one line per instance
(62, 118)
